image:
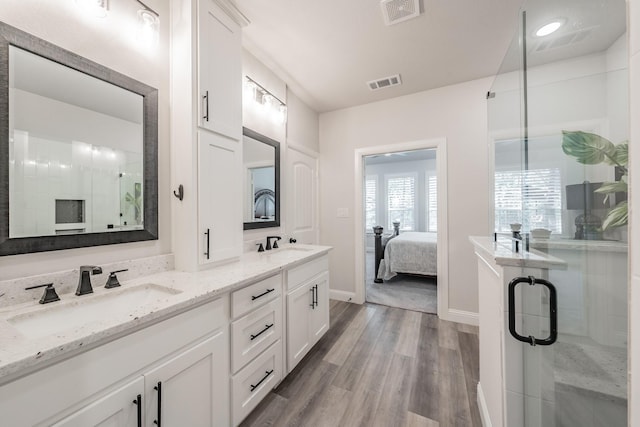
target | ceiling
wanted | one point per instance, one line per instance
(328, 50)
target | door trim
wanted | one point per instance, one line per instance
(440, 145)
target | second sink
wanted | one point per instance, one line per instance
(60, 318)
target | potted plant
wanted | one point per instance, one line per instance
(591, 149)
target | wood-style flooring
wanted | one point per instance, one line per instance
(380, 366)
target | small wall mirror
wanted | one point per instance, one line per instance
(261, 167)
(78, 150)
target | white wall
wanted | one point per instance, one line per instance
(110, 42)
(302, 124)
(634, 215)
(457, 113)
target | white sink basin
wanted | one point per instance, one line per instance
(107, 307)
(287, 251)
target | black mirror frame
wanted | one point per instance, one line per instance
(272, 142)
(13, 246)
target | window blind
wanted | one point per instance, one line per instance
(371, 190)
(401, 201)
(532, 198)
(432, 203)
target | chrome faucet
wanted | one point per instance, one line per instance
(84, 282)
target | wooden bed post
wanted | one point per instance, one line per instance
(378, 251)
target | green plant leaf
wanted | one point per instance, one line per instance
(620, 155)
(612, 187)
(617, 217)
(587, 148)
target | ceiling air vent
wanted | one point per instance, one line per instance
(395, 11)
(385, 82)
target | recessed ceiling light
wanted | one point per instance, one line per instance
(549, 28)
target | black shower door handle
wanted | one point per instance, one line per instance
(553, 311)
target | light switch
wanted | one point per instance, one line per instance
(343, 213)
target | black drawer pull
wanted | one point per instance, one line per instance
(266, 328)
(208, 234)
(268, 291)
(158, 421)
(253, 387)
(138, 402)
(205, 98)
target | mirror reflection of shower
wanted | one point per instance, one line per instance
(264, 197)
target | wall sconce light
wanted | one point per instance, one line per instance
(148, 25)
(271, 106)
(96, 8)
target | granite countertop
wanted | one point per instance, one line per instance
(580, 245)
(177, 292)
(504, 256)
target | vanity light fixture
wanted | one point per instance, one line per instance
(96, 8)
(550, 28)
(148, 25)
(270, 105)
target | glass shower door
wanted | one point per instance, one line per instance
(562, 176)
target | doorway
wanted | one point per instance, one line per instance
(403, 184)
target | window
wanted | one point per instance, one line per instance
(532, 198)
(432, 203)
(370, 205)
(401, 196)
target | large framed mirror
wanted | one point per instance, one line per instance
(261, 171)
(78, 150)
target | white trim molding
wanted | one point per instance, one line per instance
(440, 145)
(341, 295)
(302, 149)
(482, 406)
(459, 316)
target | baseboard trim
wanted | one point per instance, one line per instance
(482, 406)
(461, 316)
(342, 295)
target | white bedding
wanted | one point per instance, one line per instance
(411, 252)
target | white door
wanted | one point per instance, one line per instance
(191, 389)
(298, 339)
(219, 71)
(302, 196)
(219, 197)
(319, 314)
(117, 409)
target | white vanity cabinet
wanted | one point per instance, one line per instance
(219, 71)
(187, 354)
(307, 308)
(206, 126)
(256, 344)
(219, 197)
(191, 388)
(121, 407)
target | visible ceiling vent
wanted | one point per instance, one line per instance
(395, 11)
(384, 82)
(562, 40)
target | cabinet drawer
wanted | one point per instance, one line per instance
(253, 383)
(255, 332)
(256, 295)
(297, 276)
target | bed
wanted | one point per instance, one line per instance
(410, 252)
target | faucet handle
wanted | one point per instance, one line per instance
(260, 247)
(49, 295)
(91, 268)
(112, 280)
